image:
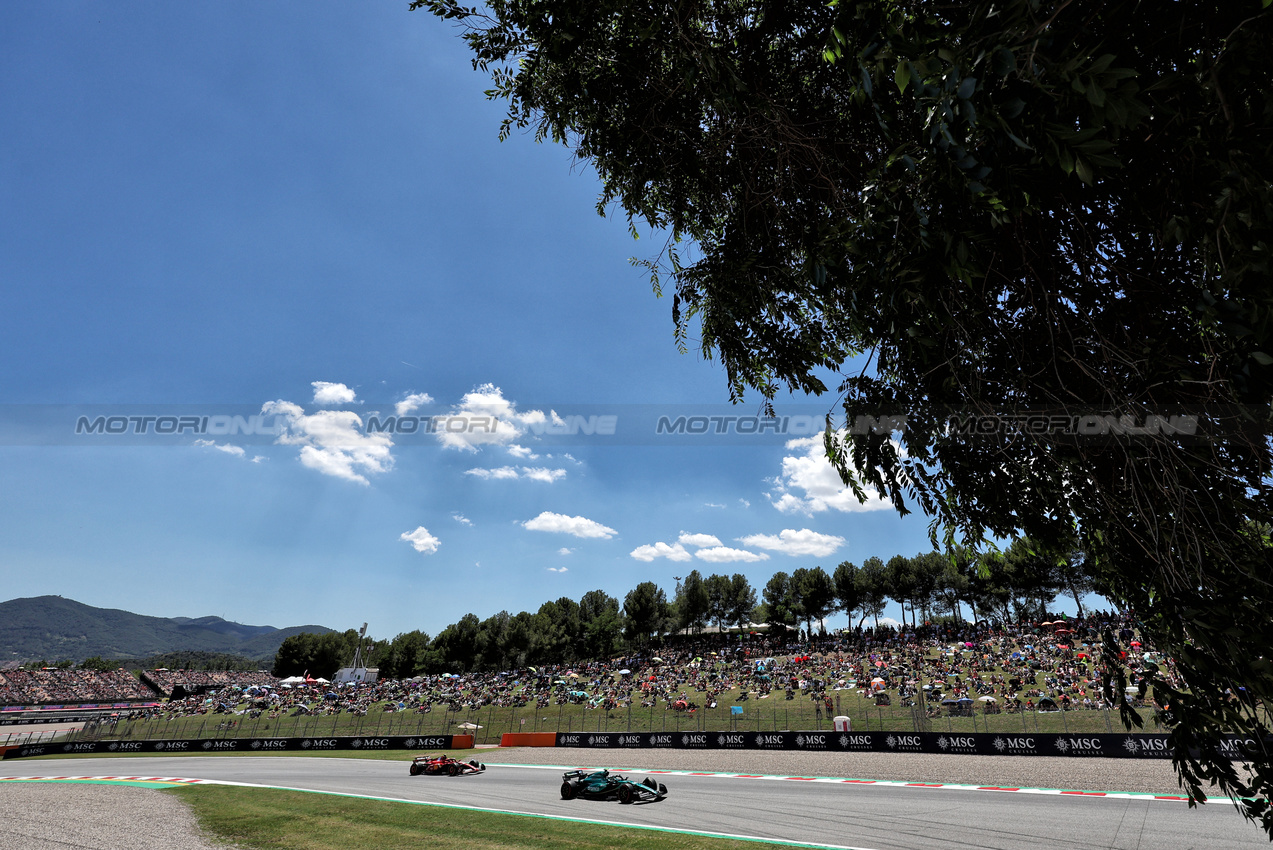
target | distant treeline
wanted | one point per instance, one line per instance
(1020, 582)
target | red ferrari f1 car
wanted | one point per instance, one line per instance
(434, 765)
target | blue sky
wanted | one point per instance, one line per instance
(222, 207)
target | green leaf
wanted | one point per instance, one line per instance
(966, 88)
(1101, 64)
(1083, 169)
(1004, 62)
(902, 76)
(1259, 356)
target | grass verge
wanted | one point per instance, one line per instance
(265, 819)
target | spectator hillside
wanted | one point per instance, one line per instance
(198, 681)
(952, 670)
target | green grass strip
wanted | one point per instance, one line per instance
(265, 818)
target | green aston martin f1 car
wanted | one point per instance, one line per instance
(604, 785)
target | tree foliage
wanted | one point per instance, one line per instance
(780, 608)
(645, 607)
(992, 208)
(318, 655)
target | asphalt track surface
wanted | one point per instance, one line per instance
(822, 813)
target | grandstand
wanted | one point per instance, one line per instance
(70, 687)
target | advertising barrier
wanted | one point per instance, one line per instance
(979, 743)
(53, 718)
(87, 706)
(247, 745)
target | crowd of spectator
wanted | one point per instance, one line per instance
(61, 687)
(1049, 665)
(199, 681)
(986, 667)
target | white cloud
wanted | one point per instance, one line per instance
(576, 525)
(326, 392)
(539, 473)
(699, 540)
(237, 451)
(650, 551)
(412, 402)
(522, 453)
(534, 473)
(809, 484)
(557, 569)
(744, 503)
(461, 519)
(421, 540)
(485, 418)
(564, 551)
(712, 505)
(502, 472)
(726, 555)
(332, 441)
(792, 542)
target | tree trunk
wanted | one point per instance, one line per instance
(1075, 594)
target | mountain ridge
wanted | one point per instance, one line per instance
(53, 628)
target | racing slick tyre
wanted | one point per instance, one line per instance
(625, 794)
(453, 770)
(477, 765)
(415, 770)
(662, 789)
(569, 791)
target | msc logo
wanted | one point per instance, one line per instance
(432, 742)
(902, 741)
(963, 743)
(320, 743)
(1237, 746)
(564, 741)
(127, 746)
(370, 743)
(660, 740)
(277, 744)
(694, 740)
(220, 745)
(173, 745)
(79, 748)
(811, 741)
(629, 740)
(855, 740)
(769, 741)
(730, 739)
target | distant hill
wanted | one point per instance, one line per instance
(53, 628)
